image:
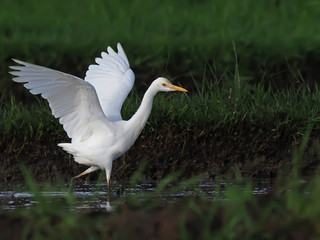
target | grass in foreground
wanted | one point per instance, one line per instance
(290, 211)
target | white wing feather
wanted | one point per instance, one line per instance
(71, 99)
(113, 80)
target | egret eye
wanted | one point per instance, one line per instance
(164, 84)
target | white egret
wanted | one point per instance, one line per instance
(90, 109)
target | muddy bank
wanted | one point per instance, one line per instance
(255, 152)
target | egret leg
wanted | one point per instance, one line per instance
(108, 175)
(89, 170)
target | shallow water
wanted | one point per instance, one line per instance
(93, 196)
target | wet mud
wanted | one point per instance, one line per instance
(253, 153)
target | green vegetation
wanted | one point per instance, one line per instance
(208, 109)
(175, 38)
(217, 50)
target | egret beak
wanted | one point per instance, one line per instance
(176, 88)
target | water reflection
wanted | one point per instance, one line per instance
(92, 196)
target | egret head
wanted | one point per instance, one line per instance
(165, 85)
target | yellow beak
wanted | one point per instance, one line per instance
(176, 88)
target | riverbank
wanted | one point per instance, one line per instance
(252, 153)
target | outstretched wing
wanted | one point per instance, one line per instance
(71, 99)
(113, 79)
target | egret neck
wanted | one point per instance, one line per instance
(139, 119)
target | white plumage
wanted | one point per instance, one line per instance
(113, 80)
(90, 109)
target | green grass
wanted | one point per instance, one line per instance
(173, 38)
(23, 123)
(221, 46)
(208, 109)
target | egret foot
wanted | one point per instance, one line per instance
(89, 170)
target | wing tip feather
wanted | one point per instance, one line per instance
(19, 61)
(111, 51)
